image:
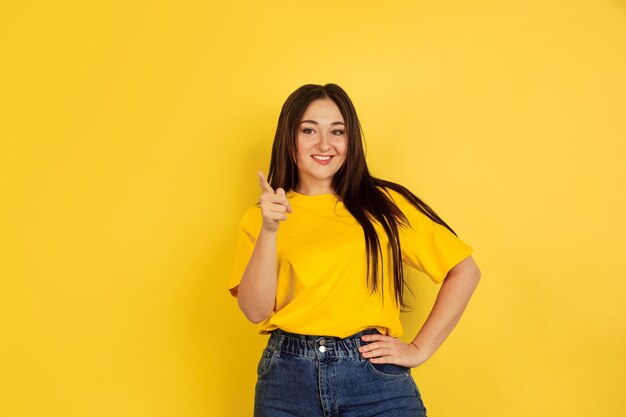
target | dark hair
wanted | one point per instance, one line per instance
(365, 196)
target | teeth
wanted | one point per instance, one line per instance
(321, 158)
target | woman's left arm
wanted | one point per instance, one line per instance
(454, 295)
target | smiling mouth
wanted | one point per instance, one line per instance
(322, 157)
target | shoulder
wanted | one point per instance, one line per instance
(390, 192)
(408, 208)
(398, 198)
(251, 218)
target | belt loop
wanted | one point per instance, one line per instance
(279, 348)
(358, 342)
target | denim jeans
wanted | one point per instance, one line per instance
(321, 376)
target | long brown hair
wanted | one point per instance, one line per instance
(363, 195)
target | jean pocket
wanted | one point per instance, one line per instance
(265, 363)
(388, 370)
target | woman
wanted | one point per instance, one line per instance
(319, 265)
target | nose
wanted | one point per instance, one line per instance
(323, 144)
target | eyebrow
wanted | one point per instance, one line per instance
(315, 123)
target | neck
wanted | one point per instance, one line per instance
(314, 189)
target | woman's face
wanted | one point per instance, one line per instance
(321, 147)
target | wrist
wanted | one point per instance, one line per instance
(268, 231)
(422, 351)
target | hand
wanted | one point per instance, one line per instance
(274, 205)
(386, 349)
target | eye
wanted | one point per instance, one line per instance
(308, 131)
(338, 132)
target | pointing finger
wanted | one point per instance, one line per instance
(265, 186)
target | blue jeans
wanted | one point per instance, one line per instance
(321, 376)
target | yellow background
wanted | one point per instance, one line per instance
(131, 132)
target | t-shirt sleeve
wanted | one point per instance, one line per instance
(429, 246)
(246, 239)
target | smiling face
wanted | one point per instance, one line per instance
(321, 147)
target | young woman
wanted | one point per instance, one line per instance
(319, 266)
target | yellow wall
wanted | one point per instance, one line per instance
(131, 132)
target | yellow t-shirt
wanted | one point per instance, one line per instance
(322, 266)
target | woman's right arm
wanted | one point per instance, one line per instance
(256, 294)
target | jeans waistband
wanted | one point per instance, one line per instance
(317, 346)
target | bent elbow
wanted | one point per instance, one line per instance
(256, 317)
(255, 320)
